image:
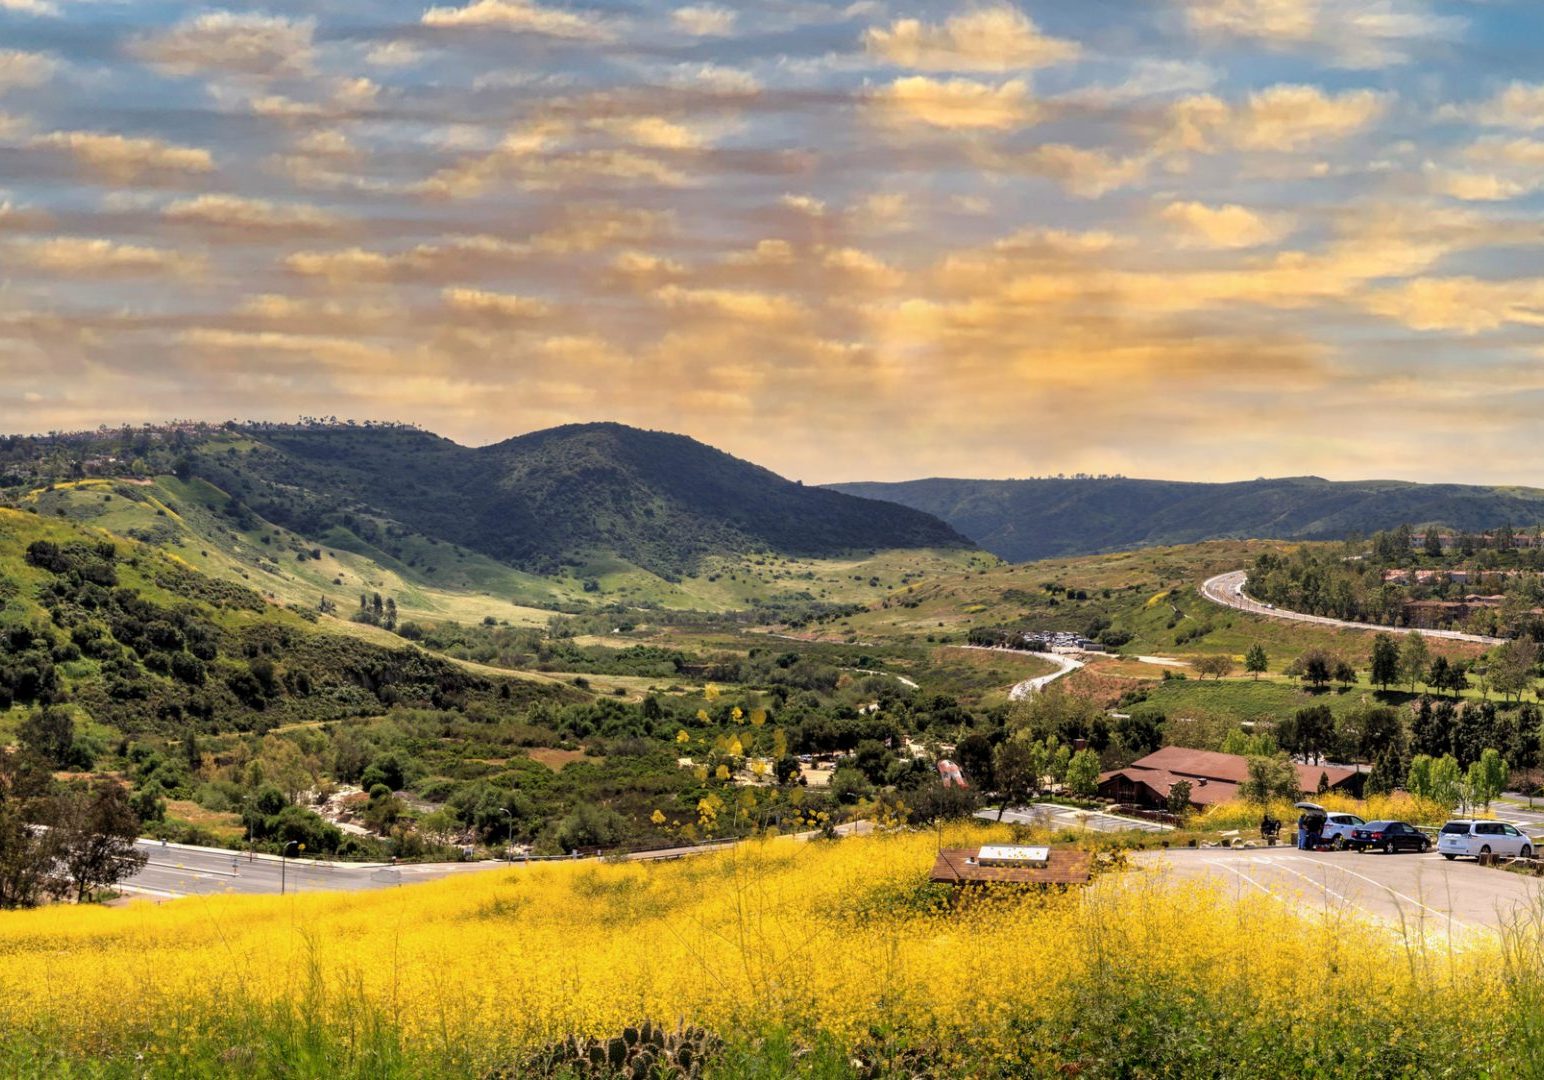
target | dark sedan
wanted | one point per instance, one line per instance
(1388, 837)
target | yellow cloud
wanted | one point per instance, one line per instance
(996, 38)
(73, 256)
(19, 69)
(227, 41)
(1519, 106)
(496, 305)
(961, 104)
(1226, 226)
(743, 304)
(1349, 33)
(517, 15)
(1283, 117)
(124, 159)
(235, 212)
(704, 20)
(1465, 304)
(1478, 186)
(651, 131)
(1086, 173)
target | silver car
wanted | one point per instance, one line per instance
(1337, 829)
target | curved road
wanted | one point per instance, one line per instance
(1066, 665)
(1228, 590)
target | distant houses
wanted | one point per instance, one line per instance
(1041, 641)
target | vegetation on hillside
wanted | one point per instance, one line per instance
(1022, 520)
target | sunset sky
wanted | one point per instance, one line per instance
(1201, 239)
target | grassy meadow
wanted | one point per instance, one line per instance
(809, 959)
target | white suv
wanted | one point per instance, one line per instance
(1337, 829)
(1478, 838)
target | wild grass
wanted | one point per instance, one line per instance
(807, 959)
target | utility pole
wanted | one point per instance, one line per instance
(289, 851)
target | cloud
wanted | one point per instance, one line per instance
(257, 215)
(1284, 117)
(395, 54)
(1519, 106)
(500, 306)
(1086, 173)
(123, 159)
(29, 7)
(520, 16)
(231, 42)
(1357, 34)
(1464, 304)
(71, 256)
(704, 20)
(741, 304)
(958, 104)
(996, 38)
(23, 69)
(1226, 226)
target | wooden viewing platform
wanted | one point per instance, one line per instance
(959, 866)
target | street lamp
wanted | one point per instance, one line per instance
(509, 837)
(290, 851)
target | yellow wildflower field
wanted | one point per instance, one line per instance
(845, 942)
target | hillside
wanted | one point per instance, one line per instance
(548, 500)
(1022, 520)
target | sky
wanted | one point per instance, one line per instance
(1197, 239)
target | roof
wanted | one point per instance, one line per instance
(1159, 782)
(957, 866)
(1188, 764)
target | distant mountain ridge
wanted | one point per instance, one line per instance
(1023, 520)
(538, 502)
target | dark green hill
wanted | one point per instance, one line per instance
(537, 502)
(1022, 520)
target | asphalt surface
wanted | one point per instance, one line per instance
(1423, 893)
(1052, 816)
(1228, 590)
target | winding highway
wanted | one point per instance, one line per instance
(1228, 590)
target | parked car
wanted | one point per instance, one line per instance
(1476, 838)
(1337, 829)
(1388, 837)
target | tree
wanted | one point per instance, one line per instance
(1345, 674)
(1314, 731)
(97, 829)
(1017, 768)
(1487, 777)
(1315, 665)
(1179, 797)
(1436, 779)
(1413, 659)
(1255, 660)
(50, 734)
(1511, 666)
(1270, 778)
(1216, 665)
(27, 854)
(1385, 660)
(1433, 544)
(973, 754)
(1083, 773)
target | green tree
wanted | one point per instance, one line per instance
(1083, 773)
(1255, 660)
(1270, 778)
(1385, 660)
(49, 733)
(1216, 665)
(1017, 768)
(1512, 666)
(1433, 544)
(97, 829)
(1179, 797)
(1487, 777)
(1413, 658)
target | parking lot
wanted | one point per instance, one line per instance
(1052, 816)
(1426, 893)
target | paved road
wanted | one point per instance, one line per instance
(1066, 665)
(1228, 590)
(1052, 816)
(1423, 892)
(180, 870)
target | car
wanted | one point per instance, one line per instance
(1388, 837)
(1337, 829)
(1476, 838)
